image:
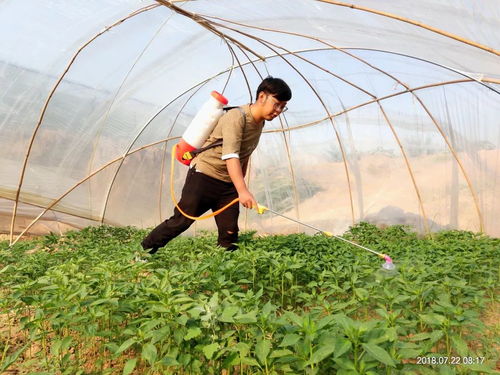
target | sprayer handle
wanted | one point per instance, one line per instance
(261, 209)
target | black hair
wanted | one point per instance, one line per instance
(275, 87)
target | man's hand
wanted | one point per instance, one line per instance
(247, 199)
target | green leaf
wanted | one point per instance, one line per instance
(192, 333)
(196, 311)
(407, 353)
(182, 299)
(242, 348)
(361, 293)
(446, 370)
(383, 313)
(400, 299)
(50, 287)
(262, 350)
(432, 319)
(179, 335)
(460, 345)
(420, 336)
(182, 320)
(129, 366)
(228, 334)
(391, 334)
(66, 343)
(268, 308)
(214, 301)
(105, 301)
(250, 317)
(294, 318)
(436, 335)
(55, 348)
(345, 364)
(230, 360)
(342, 346)
(160, 309)
(9, 360)
(321, 353)
(149, 353)
(324, 322)
(169, 361)
(379, 353)
(342, 306)
(6, 268)
(228, 313)
(345, 322)
(280, 353)
(481, 368)
(126, 345)
(210, 349)
(249, 361)
(290, 340)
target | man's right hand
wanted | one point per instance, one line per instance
(247, 199)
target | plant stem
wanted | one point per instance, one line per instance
(311, 354)
(448, 350)
(356, 356)
(282, 290)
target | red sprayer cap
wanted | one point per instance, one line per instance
(181, 149)
(219, 97)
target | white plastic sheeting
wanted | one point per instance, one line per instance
(394, 117)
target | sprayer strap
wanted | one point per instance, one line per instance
(201, 149)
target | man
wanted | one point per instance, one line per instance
(216, 176)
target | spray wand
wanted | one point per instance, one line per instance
(388, 265)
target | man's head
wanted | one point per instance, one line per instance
(272, 96)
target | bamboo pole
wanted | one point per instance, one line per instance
(415, 23)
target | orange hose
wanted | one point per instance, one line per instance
(172, 195)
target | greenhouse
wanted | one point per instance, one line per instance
(391, 144)
(395, 109)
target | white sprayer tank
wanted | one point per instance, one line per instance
(201, 126)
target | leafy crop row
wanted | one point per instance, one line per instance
(295, 304)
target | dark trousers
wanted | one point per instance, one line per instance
(200, 194)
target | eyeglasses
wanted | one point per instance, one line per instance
(277, 107)
(280, 108)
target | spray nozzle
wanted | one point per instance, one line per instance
(388, 265)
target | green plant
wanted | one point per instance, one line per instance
(277, 305)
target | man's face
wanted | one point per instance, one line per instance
(273, 107)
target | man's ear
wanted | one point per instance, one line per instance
(261, 97)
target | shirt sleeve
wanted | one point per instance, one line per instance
(232, 133)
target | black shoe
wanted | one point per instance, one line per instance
(153, 251)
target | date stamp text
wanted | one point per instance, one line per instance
(437, 360)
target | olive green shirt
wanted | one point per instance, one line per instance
(240, 136)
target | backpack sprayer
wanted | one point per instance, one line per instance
(200, 128)
(193, 138)
(190, 144)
